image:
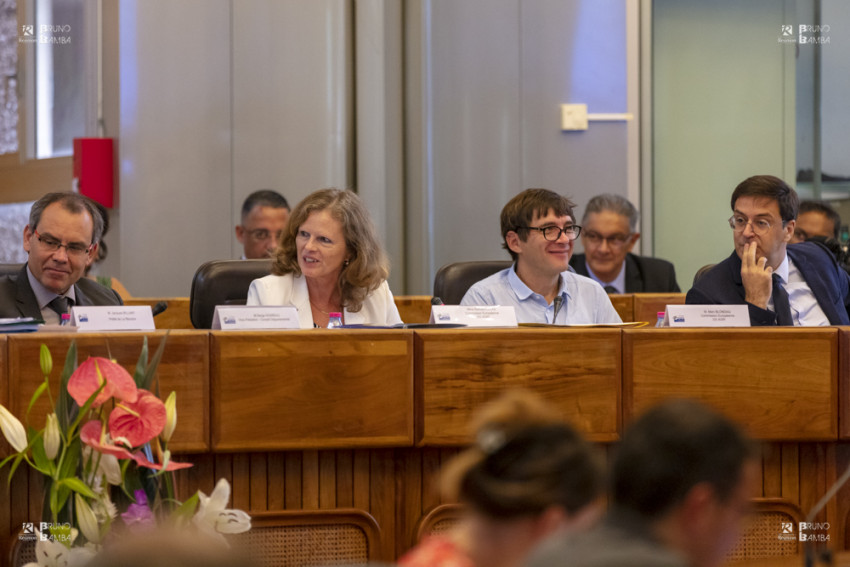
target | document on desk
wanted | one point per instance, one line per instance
(19, 324)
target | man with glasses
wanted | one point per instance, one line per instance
(609, 232)
(264, 216)
(61, 239)
(538, 230)
(782, 284)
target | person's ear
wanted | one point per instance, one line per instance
(788, 230)
(27, 238)
(630, 243)
(513, 241)
(240, 233)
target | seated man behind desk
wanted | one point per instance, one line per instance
(61, 240)
(800, 284)
(816, 218)
(264, 216)
(609, 232)
(681, 482)
(538, 230)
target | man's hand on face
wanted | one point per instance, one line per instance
(757, 277)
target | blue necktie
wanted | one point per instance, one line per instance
(781, 305)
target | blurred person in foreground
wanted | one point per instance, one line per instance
(528, 475)
(329, 259)
(681, 483)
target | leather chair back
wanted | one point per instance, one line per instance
(222, 282)
(453, 280)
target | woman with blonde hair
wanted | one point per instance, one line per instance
(528, 475)
(329, 259)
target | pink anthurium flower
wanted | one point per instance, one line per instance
(89, 376)
(138, 422)
(93, 435)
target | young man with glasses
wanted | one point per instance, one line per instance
(264, 216)
(61, 239)
(608, 235)
(782, 284)
(539, 230)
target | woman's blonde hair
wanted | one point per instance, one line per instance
(367, 266)
(525, 459)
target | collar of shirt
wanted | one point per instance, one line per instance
(44, 295)
(805, 309)
(523, 292)
(618, 283)
(782, 270)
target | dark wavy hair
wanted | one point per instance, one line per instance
(367, 267)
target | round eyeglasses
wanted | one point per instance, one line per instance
(614, 241)
(553, 233)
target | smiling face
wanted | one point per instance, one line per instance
(607, 239)
(320, 245)
(57, 270)
(772, 243)
(538, 256)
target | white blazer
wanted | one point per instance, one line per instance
(288, 289)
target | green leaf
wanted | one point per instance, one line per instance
(66, 407)
(79, 486)
(68, 466)
(42, 463)
(38, 392)
(141, 365)
(150, 372)
(186, 510)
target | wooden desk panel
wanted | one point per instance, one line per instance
(778, 383)
(184, 368)
(647, 305)
(624, 304)
(312, 389)
(414, 308)
(459, 370)
(176, 316)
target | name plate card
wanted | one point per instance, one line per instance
(474, 315)
(112, 318)
(706, 316)
(255, 317)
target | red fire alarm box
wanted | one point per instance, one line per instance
(93, 173)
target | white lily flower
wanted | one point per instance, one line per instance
(87, 520)
(108, 466)
(214, 518)
(51, 436)
(51, 553)
(13, 430)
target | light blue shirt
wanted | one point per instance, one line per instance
(805, 309)
(584, 300)
(619, 283)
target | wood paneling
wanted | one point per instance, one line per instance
(184, 368)
(414, 308)
(318, 389)
(778, 383)
(458, 370)
(176, 315)
(647, 305)
(624, 304)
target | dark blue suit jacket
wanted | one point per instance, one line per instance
(830, 284)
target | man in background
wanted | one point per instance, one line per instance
(61, 239)
(264, 216)
(681, 482)
(609, 233)
(801, 284)
(538, 230)
(816, 218)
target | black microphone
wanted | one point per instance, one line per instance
(436, 301)
(559, 301)
(159, 308)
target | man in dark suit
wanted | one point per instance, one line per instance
(609, 232)
(800, 284)
(61, 240)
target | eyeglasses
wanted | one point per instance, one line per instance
(553, 233)
(263, 234)
(72, 248)
(614, 241)
(760, 226)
